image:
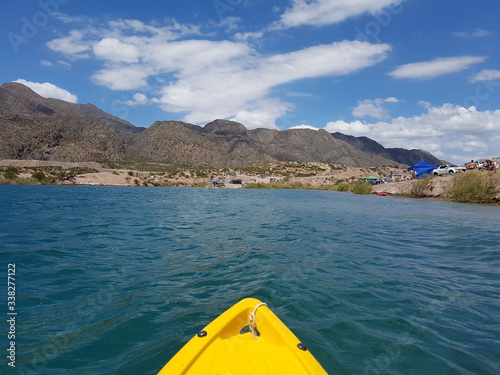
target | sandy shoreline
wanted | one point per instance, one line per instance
(327, 175)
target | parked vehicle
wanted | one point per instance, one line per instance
(447, 169)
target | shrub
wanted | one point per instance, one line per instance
(201, 184)
(40, 176)
(361, 187)
(472, 187)
(344, 186)
(11, 173)
(419, 189)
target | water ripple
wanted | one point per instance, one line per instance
(116, 280)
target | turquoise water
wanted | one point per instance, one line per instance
(115, 280)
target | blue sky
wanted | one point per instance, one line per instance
(406, 73)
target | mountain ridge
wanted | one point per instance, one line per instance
(34, 127)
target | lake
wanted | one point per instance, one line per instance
(115, 280)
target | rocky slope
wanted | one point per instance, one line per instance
(33, 127)
(399, 155)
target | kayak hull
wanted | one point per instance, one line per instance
(227, 347)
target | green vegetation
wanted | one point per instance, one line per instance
(201, 184)
(19, 181)
(470, 187)
(11, 173)
(40, 176)
(275, 185)
(419, 188)
(81, 170)
(359, 187)
(473, 187)
(289, 169)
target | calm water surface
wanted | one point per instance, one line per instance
(115, 280)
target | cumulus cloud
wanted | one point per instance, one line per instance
(373, 108)
(262, 114)
(122, 77)
(446, 130)
(48, 90)
(138, 99)
(112, 49)
(216, 92)
(436, 67)
(325, 12)
(71, 45)
(204, 78)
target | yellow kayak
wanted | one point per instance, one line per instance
(247, 339)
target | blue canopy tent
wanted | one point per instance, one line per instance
(422, 168)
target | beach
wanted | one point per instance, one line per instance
(277, 175)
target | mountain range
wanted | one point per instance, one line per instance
(34, 127)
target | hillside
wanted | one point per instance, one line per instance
(33, 127)
(399, 155)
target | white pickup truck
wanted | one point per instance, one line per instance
(447, 169)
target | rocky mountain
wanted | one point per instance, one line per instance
(399, 155)
(33, 127)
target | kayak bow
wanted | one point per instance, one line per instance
(246, 339)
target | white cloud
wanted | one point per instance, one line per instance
(247, 36)
(217, 92)
(64, 63)
(477, 33)
(228, 23)
(72, 45)
(304, 126)
(48, 90)
(138, 99)
(435, 68)
(207, 79)
(481, 32)
(391, 100)
(373, 108)
(486, 75)
(46, 63)
(128, 77)
(355, 128)
(325, 12)
(447, 130)
(262, 114)
(298, 94)
(112, 49)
